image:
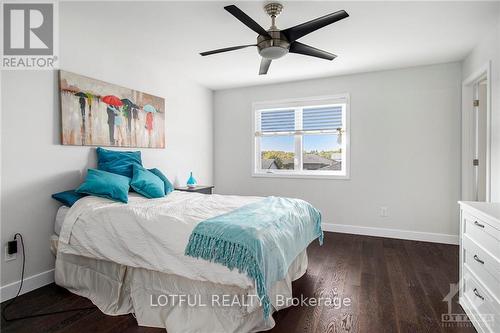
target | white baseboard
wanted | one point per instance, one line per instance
(392, 233)
(30, 283)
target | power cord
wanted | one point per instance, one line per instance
(4, 310)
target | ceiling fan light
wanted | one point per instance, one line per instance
(273, 52)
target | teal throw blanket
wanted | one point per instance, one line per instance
(260, 239)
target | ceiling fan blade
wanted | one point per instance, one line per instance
(232, 48)
(294, 33)
(264, 66)
(300, 48)
(246, 20)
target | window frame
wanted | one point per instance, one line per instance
(302, 103)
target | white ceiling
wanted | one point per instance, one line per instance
(377, 35)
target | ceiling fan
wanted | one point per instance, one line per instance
(275, 43)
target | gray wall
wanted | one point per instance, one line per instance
(35, 165)
(405, 148)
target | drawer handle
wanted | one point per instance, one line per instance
(476, 258)
(479, 224)
(478, 294)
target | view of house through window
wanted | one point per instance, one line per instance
(302, 138)
(321, 152)
(278, 152)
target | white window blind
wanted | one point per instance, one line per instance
(277, 121)
(322, 118)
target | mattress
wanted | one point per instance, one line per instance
(60, 216)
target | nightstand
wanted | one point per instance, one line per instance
(198, 189)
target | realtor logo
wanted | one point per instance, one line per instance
(28, 35)
(28, 29)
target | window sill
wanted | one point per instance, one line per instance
(299, 176)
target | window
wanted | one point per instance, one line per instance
(302, 138)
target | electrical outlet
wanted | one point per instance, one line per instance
(383, 211)
(12, 246)
(9, 257)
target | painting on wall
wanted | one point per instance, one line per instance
(96, 113)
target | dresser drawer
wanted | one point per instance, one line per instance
(484, 266)
(481, 301)
(482, 233)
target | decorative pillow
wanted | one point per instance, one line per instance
(147, 183)
(68, 198)
(119, 162)
(105, 184)
(168, 185)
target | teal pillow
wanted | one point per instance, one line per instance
(68, 198)
(168, 185)
(119, 162)
(105, 184)
(147, 183)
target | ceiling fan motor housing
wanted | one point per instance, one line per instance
(277, 46)
(273, 48)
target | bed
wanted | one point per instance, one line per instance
(129, 258)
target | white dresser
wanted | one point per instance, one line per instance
(480, 264)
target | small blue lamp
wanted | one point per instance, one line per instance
(191, 182)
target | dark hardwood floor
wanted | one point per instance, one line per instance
(394, 286)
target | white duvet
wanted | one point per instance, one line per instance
(149, 233)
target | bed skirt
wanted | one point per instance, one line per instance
(155, 298)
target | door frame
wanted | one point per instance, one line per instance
(468, 132)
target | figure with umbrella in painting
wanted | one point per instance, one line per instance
(83, 103)
(135, 124)
(112, 110)
(90, 97)
(128, 109)
(119, 125)
(150, 110)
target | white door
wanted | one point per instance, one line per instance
(479, 137)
